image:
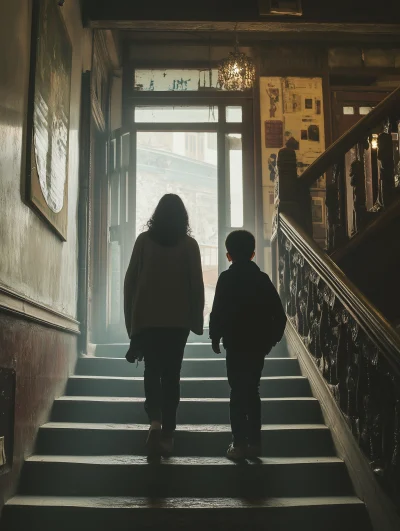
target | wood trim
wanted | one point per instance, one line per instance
(360, 88)
(258, 184)
(365, 314)
(259, 27)
(203, 98)
(108, 52)
(16, 303)
(97, 112)
(381, 510)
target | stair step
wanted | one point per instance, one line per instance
(271, 387)
(183, 477)
(191, 410)
(194, 349)
(290, 440)
(38, 513)
(194, 367)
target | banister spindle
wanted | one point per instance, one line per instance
(336, 206)
(357, 181)
(386, 169)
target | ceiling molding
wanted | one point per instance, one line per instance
(250, 27)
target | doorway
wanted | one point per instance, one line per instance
(202, 151)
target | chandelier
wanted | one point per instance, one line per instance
(237, 71)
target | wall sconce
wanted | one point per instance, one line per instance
(374, 141)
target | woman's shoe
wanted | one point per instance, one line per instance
(153, 443)
(236, 452)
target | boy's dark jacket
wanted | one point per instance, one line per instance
(247, 312)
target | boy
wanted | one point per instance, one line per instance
(248, 316)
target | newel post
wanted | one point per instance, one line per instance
(294, 198)
(291, 198)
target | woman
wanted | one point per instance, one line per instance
(163, 301)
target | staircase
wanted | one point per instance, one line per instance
(89, 471)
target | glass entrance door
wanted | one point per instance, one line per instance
(186, 164)
(196, 152)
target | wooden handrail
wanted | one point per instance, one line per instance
(343, 144)
(376, 327)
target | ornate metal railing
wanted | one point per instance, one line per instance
(354, 347)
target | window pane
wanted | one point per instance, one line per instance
(235, 176)
(115, 198)
(206, 114)
(182, 163)
(365, 110)
(348, 110)
(113, 154)
(234, 114)
(175, 80)
(125, 149)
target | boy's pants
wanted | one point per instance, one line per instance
(163, 352)
(244, 374)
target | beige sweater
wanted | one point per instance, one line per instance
(164, 286)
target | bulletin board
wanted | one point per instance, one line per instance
(292, 115)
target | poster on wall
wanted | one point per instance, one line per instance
(49, 116)
(292, 116)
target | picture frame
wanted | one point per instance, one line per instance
(277, 7)
(48, 124)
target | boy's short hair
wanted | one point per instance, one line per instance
(240, 245)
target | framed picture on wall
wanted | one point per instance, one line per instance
(49, 116)
(280, 7)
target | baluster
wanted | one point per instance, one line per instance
(336, 206)
(386, 168)
(357, 181)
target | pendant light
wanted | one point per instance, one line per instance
(237, 71)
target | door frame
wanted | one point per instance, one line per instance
(221, 128)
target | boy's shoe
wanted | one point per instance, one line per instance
(167, 444)
(153, 443)
(236, 452)
(253, 451)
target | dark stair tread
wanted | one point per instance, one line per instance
(289, 410)
(183, 379)
(209, 428)
(193, 348)
(203, 439)
(137, 399)
(134, 460)
(178, 503)
(213, 357)
(194, 367)
(214, 514)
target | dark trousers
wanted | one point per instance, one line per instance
(163, 353)
(244, 374)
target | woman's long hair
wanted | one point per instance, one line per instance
(170, 221)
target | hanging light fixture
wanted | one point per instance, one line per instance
(237, 71)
